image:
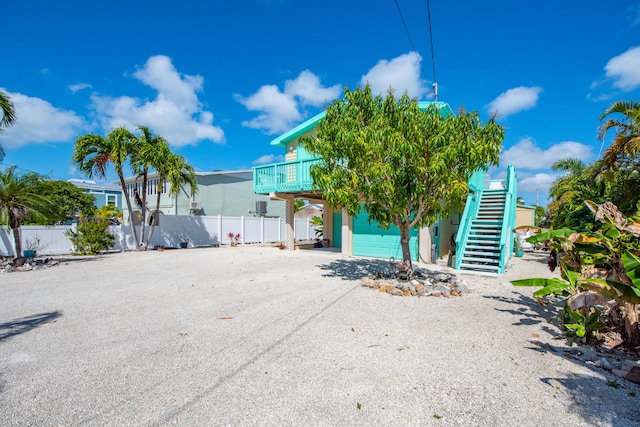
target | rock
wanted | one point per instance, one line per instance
(406, 293)
(391, 289)
(419, 287)
(375, 286)
(461, 286)
(396, 292)
(455, 294)
(436, 294)
(383, 288)
(8, 269)
(413, 291)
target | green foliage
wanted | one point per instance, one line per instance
(21, 201)
(407, 166)
(604, 261)
(91, 237)
(582, 326)
(318, 222)
(109, 212)
(70, 201)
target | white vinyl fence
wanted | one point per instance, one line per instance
(200, 230)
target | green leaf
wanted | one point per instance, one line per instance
(543, 237)
(631, 265)
(613, 290)
(580, 330)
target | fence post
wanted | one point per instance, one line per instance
(308, 235)
(219, 229)
(262, 229)
(242, 228)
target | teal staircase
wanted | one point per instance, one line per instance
(484, 239)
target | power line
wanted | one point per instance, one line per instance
(406, 28)
(433, 56)
(415, 51)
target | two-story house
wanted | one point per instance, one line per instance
(483, 238)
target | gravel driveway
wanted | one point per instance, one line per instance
(259, 336)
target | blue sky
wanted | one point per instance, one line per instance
(220, 80)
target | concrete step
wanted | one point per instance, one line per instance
(469, 266)
(466, 259)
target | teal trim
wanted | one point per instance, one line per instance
(337, 229)
(284, 177)
(509, 220)
(301, 129)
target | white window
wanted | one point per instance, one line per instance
(112, 199)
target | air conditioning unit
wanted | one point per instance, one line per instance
(195, 206)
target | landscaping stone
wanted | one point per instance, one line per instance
(425, 283)
(9, 265)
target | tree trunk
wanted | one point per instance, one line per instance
(156, 216)
(404, 243)
(126, 196)
(143, 210)
(630, 316)
(16, 240)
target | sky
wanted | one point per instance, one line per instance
(221, 79)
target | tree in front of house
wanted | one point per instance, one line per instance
(93, 154)
(70, 200)
(405, 166)
(20, 201)
(179, 175)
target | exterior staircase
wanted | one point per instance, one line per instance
(484, 239)
(481, 254)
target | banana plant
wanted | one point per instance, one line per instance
(605, 262)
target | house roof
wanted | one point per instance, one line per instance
(89, 184)
(227, 172)
(302, 128)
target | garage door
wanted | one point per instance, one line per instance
(370, 240)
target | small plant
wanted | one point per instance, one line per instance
(613, 383)
(234, 238)
(582, 327)
(92, 236)
(184, 239)
(33, 244)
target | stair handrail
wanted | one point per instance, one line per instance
(470, 212)
(508, 220)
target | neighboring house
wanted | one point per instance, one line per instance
(525, 215)
(358, 236)
(225, 193)
(105, 194)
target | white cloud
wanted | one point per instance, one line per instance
(515, 100)
(280, 111)
(39, 122)
(176, 113)
(538, 181)
(80, 86)
(527, 155)
(401, 73)
(624, 69)
(268, 158)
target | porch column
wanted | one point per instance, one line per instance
(289, 230)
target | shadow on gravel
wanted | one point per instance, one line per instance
(354, 269)
(25, 324)
(528, 311)
(616, 401)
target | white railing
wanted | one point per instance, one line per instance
(201, 231)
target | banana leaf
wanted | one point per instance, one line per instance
(613, 290)
(549, 286)
(631, 265)
(543, 237)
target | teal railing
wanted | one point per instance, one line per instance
(509, 219)
(283, 177)
(476, 185)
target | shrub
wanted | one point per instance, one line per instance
(92, 236)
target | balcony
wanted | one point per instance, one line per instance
(285, 177)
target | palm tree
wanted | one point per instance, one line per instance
(8, 115)
(626, 143)
(20, 200)
(148, 150)
(178, 173)
(92, 155)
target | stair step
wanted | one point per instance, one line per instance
(480, 259)
(483, 239)
(478, 248)
(480, 267)
(488, 252)
(478, 273)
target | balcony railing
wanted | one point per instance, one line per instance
(285, 177)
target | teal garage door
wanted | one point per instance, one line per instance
(370, 240)
(337, 229)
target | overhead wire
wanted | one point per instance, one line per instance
(415, 51)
